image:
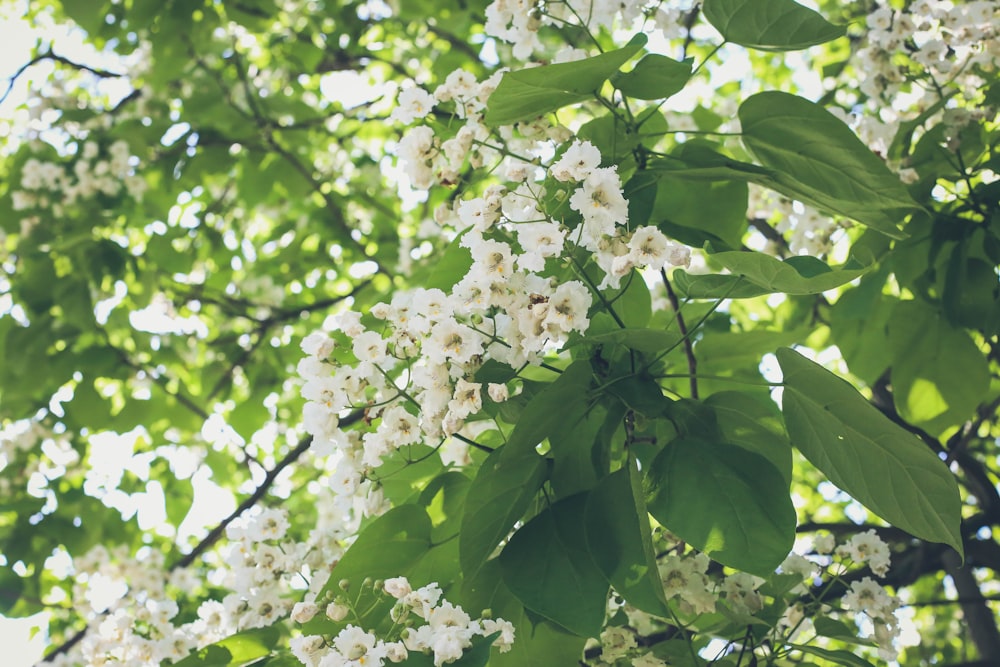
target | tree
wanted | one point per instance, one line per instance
(517, 333)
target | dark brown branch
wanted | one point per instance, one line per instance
(978, 616)
(218, 531)
(49, 55)
(682, 325)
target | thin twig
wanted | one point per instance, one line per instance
(49, 55)
(219, 530)
(688, 345)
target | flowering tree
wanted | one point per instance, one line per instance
(509, 333)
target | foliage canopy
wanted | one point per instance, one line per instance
(503, 333)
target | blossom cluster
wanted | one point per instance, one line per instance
(517, 22)
(693, 591)
(51, 185)
(446, 633)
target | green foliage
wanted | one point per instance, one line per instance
(887, 469)
(725, 500)
(242, 288)
(770, 25)
(527, 93)
(817, 159)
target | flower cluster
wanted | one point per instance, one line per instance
(50, 185)
(693, 590)
(446, 631)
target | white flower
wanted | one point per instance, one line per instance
(370, 346)
(466, 400)
(579, 160)
(492, 260)
(452, 342)
(303, 612)
(601, 203)
(308, 648)
(867, 547)
(869, 597)
(478, 213)
(567, 308)
(539, 240)
(412, 103)
(337, 611)
(498, 392)
(616, 642)
(823, 543)
(423, 600)
(648, 660)
(318, 344)
(417, 150)
(398, 587)
(359, 647)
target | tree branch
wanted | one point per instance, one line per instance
(978, 616)
(682, 325)
(48, 54)
(218, 531)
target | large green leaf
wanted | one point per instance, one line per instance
(939, 376)
(391, 546)
(654, 77)
(528, 93)
(703, 211)
(859, 326)
(769, 25)
(755, 273)
(548, 567)
(620, 541)
(725, 500)
(818, 159)
(753, 423)
(561, 404)
(845, 658)
(650, 341)
(238, 649)
(539, 643)
(496, 500)
(882, 466)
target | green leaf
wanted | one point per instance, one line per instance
(640, 191)
(528, 93)
(728, 350)
(882, 466)
(939, 376)
(859, 326)
(620, 541)
(559, 405)
(632, 302)
(479, 654)
(725, 500)
(701, 211)
(845, 658)
(496, 500)
(819, 160)
(548, 567)
(11, 588)
(649, 341)
(573, 467)
(390, 546)
(753, 423)
(654, 77)
(449, 267)
(538, 643)
(769, 25)
(755, 273)
(837, 629)
(238, 649)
